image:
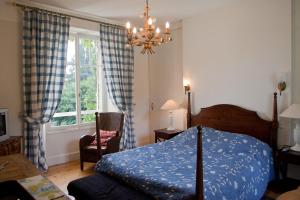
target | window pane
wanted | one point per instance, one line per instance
(88, 118)
(71, 51)
(81, 70)
(88, 88)
(67, 107)
(88, 50)
(63, 121)
(68, 99)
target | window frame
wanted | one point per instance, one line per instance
(101, 100)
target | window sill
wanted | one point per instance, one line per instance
(68, 129)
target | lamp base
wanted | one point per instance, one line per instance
(296, 147)
(170, 129)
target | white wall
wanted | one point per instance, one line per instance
(296, 52)
(10, 66)
(141, 98)
(165, 72)
(235, 54)
(294, 169)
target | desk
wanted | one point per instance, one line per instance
(18, 167)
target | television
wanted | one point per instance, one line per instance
(3, 124)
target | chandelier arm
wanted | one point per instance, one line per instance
(148, 37)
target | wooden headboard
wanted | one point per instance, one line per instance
(235, 119)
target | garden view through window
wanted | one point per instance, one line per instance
(79, 100)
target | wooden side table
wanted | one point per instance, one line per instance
(164, 134)
(285, 157)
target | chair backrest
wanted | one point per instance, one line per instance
(108, 121)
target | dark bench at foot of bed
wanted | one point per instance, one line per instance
(101, 187)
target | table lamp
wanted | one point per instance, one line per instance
(293, 112)
(170, 105)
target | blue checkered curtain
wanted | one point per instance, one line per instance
(118, 61)
(45, 41)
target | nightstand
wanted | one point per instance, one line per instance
(286, 156)
(164, 134)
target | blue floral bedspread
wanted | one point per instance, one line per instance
(236, 166)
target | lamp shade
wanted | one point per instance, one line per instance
(293, 112)
(170, 105)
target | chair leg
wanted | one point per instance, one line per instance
(81, 160)
(81, 164)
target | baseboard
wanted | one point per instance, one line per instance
(142, 143)
(62, 158)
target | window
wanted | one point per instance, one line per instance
(84, 90)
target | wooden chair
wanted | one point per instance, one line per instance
(92, 147)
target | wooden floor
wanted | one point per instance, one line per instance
(62, 174)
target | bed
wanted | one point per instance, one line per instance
(173, 169)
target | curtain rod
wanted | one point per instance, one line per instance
(67, 15)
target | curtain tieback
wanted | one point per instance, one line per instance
(33, 122)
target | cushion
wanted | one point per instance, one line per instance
(101, 186)
(105, 136)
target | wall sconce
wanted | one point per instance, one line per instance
(282, 80)
(186, 85)
(281, 86)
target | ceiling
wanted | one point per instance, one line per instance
(124, 10)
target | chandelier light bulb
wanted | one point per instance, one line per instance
(134, 30)
(157, 30)
(150, 21)
(167, 25)
(149, 35)
(128, 25)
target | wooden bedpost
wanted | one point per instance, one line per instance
(275, 123)
(199, 162)
(199, 167)
(189, 112)
(98, 135)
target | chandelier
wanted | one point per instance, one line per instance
(149, 36)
